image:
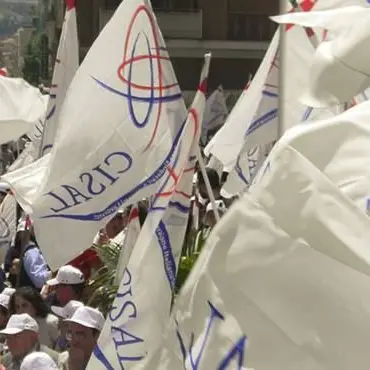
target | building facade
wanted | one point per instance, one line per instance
(237, 32)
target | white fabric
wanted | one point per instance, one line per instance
(282, 282)
(8, 291)
(66, 65)
(67, 275)
(139, 314)
(68, 310)
(344, 55)
(215, 113)
(19, 323)
(8, 224)
(88, 317)
(38, 361)
(4, 300)
(131, 234)
(21, 107)
(111, 149)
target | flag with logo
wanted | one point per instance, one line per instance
(66, 65)
(118, 130)
(138, 316)
(284, 270)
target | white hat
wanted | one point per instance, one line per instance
(19, 323)
(67, 275)
(68, 310)
(4, 300)
(88, 317)
(8, 291)
(219, 204)
(38, 361)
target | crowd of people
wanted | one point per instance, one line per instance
(44, 320)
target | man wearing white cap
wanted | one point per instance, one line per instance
(65, 312)
(69, 284)
(22, 336)
(84, 329)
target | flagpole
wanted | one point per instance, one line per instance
(281, 73)
(207, 183)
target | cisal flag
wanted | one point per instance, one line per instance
(284, 273)
(66, 65)
(118, 134)
(135, 324)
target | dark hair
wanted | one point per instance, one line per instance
(32, 296)
(213, 178)
(143, 212)
(4, 310)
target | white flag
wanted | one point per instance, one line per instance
(131, 234)
(215, 113)
(21, 108)
(118, 131)
(344, 55)
(8, 224)
(66, 65)
(229, 140)
(138, 317)
(282, 282)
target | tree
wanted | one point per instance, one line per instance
(32, 61)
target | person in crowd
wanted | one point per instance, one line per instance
(84, 329)
(28, 300)
(63, 313)
(33, 270)
(22, 336)
(38, 361)
(69, 284)
(4, 188)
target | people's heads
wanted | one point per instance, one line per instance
(210, 218)
(4, 310)
(4, 188)
(84, 328)
(69, 284)
(214, 181)
(21, 333)
(38, 361)
(27, 300)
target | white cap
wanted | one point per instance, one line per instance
(38, 361)
(88, 317)
(67, 275)
(4, 300)
(19, 323)
(68, 310)
(8, 291)
(219, 204)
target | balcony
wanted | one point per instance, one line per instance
(174, 24)
(250, 27)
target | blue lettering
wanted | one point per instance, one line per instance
(105, 174)
(92, 185)
(121, 337)
(90, 181)
(74, 193)
(237, 350)
(61, 200)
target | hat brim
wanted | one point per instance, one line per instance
(59, 311)
(11, 331)
(83, 323)
(332, 82)
(53, 282)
